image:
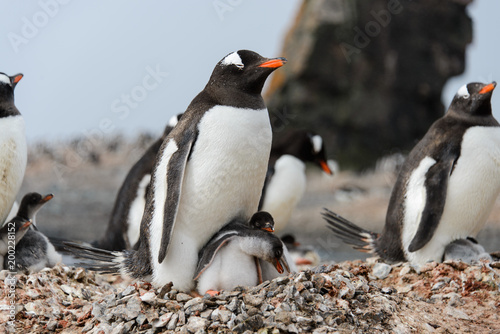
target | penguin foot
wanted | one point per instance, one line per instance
(212, 293)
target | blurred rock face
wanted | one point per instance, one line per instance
(367, 75)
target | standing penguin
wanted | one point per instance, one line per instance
(286, 177)
(34, 252)
(446, 188)
(10, 234)
(125, 220)
(210, 170)
(230, 257)
(13, 148)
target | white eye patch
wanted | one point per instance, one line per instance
(233, 59)
(317, 143)
(463, 92)
(5, 79)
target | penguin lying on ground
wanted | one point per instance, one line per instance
(230, 257)
(466, 250)
(446, 188)
(10, 234)
(125, 220)
(34, 252)
(209, 171)
(286, 176)
(13, 148)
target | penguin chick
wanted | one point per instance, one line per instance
(286, 176)
(34, 252)
(10, 235)
(446, 188)
(466, 250)
(230, 258)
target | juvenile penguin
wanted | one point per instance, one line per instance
(467, 250)
(13, 148)
(34, 252)
(446, 188)
(209, 171)
(10, 234)
(230, 257)
(286, 176)
(125, 220)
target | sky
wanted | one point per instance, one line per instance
(97, 68)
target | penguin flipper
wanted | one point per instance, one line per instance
(436, 187)
(207, 253)
(175, 174)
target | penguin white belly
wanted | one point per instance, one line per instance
(284, 191)
(472, 190)
(223, 180)
(136, 212)
(230, 267)
(13, 158)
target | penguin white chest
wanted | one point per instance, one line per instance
(285, 190)
(13, 158)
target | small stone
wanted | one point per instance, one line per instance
(32, 293)
(52, 325)
(283, 317)
(141, 319)
(381, 270)
(173, 322)
(128, 290)
(221, 315)
(183, 297)
(163, 320)
(438, 286)
(427, 267)
(282, 280)
(254, 300)
(456, 313)
(133, 308)
(194, 305)
(195, 324)
(149, 298)
(405, 270)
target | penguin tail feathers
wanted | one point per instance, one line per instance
(361, 239)
(59, 244)
(101, 260)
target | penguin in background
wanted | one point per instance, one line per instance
(232, 256)
(125, 220)
(10, 234)
(446, 188)
(466, 250)
(209, 171)
(286, 176)
(34, 251)
(13, 147)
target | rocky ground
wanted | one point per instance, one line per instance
(342, 294)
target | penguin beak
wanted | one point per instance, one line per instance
(488, 88)
(26, 225)
(274, 62)
(47, 198)
(15, 79)
(281, 265)
(324, 166)
(268, 227)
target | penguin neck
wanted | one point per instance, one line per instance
(7, 108)
(234, 97)
(479, 119)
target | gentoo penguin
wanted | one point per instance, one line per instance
(34, 252)
(286, 176)
(125, 219)
(230, 257)
(209, 171)
(10, 234)
(467, 250)
(13, 148)
(446, 188)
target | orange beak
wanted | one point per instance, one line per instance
(268, 229)
(274, 63)
(325, 168)
(18, 78)
(279, 267)
(47, 198)
(26, 225)
(488, 88)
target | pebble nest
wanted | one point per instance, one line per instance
(349, 297)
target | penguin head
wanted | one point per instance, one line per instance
(304, 145)
(8, 83)
(474, 99)
(245, 71)
(31, 203)
(262, 220)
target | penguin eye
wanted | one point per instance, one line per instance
(239, 66)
